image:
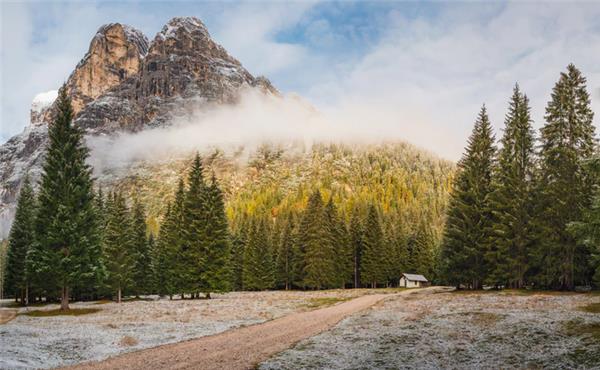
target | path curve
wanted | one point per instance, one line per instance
(242, 348)
(6, 315)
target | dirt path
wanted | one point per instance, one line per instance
(241, 348)
(6, 315)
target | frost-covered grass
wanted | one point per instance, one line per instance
(31, 341)
(474, 330)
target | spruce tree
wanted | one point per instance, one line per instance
(587, 230)
(195, 215)
(356, 239)
(286, 253)
(373, 258)
(164, 257)
(67, 253)
(511, 199)
(341, 245)
(319, 254)
(259, 267)
(119, 246)
(141, 250)
(216, 272)
(236, 258)
(467, 232)
(564, 187)
(424, 244)
(20, 240)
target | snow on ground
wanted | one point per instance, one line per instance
(45, 342)
(457, 331)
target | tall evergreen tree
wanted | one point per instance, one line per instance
(565, 187)
(141, 250)
(286, 253)
(236, 261)
(587, 230)
(341, 245)
(356, 238)
(511, 200)
(259, 267)
(119, 248)
(67, 253)
(467, 225)
(216, 273)
(195, 216)
(319, 268)
(373, 259)
(20, 240)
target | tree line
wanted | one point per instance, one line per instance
(71, 241)
(526, 213)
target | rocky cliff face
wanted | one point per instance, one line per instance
(126, 83)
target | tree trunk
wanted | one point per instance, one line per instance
(26, 294)
(119, 295)
(355, 271)
(64, 301)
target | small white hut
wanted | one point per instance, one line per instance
(413, 281)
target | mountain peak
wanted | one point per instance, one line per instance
(183, 24)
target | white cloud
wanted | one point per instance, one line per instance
(428, 74)
(438, 71)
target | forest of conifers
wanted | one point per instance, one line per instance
(521, 213)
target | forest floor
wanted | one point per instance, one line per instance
(458, 330)
(38, 338)
(415, 329)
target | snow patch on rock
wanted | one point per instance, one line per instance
(43, 100)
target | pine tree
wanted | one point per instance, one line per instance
(236, 261)
(424, 244)
(195, 216)
(119, 246)
(341, 245)
(170, 265)
(512, 197)
(20, 240)
(216, 272)
(67, 252)
(373, 259)
(356, 239)
(587, 230)
(565, 187)
(319, 254)
(467, 225)
(141, 250)
(286, 253)
(259, 267)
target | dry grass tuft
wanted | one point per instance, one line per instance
(58, 312)
(324, 301)
(591, 308)
(128, 341)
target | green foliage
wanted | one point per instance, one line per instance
(67, 251)
(20, 240)
(141, 251)
(319, 265)
(216, 271)
(587, 230)
(564, 186)
(119, 245)
(512, 197)
(467, 233)
(259, 267)
(373, 257)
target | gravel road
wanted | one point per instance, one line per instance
(241, 348)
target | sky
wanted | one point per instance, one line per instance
(423, 68)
